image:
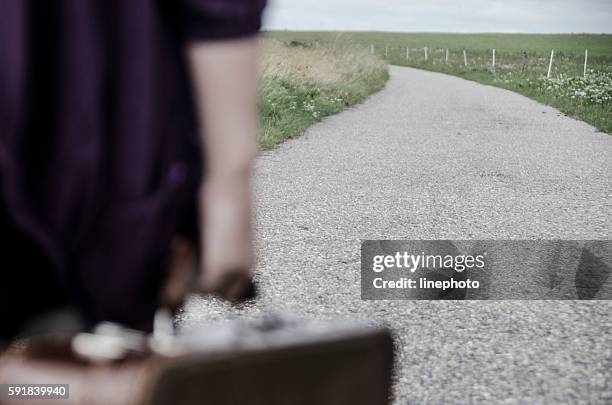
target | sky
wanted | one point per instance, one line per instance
(532, 16)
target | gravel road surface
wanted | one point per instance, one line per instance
(437, 157)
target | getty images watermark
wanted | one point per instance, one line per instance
(410, 263)
(417, 270)
(486, 269)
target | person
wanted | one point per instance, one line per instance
(127, 135)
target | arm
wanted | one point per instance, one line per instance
(224, 76)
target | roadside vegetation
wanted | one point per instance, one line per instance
(521, 63)
(302, 82)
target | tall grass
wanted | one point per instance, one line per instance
(302, 82)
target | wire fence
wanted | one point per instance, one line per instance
(494, 61)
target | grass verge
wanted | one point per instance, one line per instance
(301, 83)
(568, 94)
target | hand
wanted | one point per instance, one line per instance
(226, 261)
(226, 267)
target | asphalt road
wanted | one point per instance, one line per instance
(436, 157)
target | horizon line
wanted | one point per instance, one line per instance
(438, 32)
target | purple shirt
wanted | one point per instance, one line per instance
(99, 158)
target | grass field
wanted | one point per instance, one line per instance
(302, 83)
(521, 63)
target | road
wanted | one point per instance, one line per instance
(437, 157)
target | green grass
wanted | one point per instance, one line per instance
(300, 85)
(291, 106)
(521, 63)
(598, 45)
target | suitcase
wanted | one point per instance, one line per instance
(271, 360)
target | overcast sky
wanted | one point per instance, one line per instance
(546, 16)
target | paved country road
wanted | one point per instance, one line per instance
(437, 157)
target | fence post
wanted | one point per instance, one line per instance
(446, 57)
(465, 58)
(493, 58)
(552, 55)
(425, 49)
(372, 49)
(407, 53)
(386, 50)
(586, 58)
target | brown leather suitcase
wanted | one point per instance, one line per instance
(271, 361)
